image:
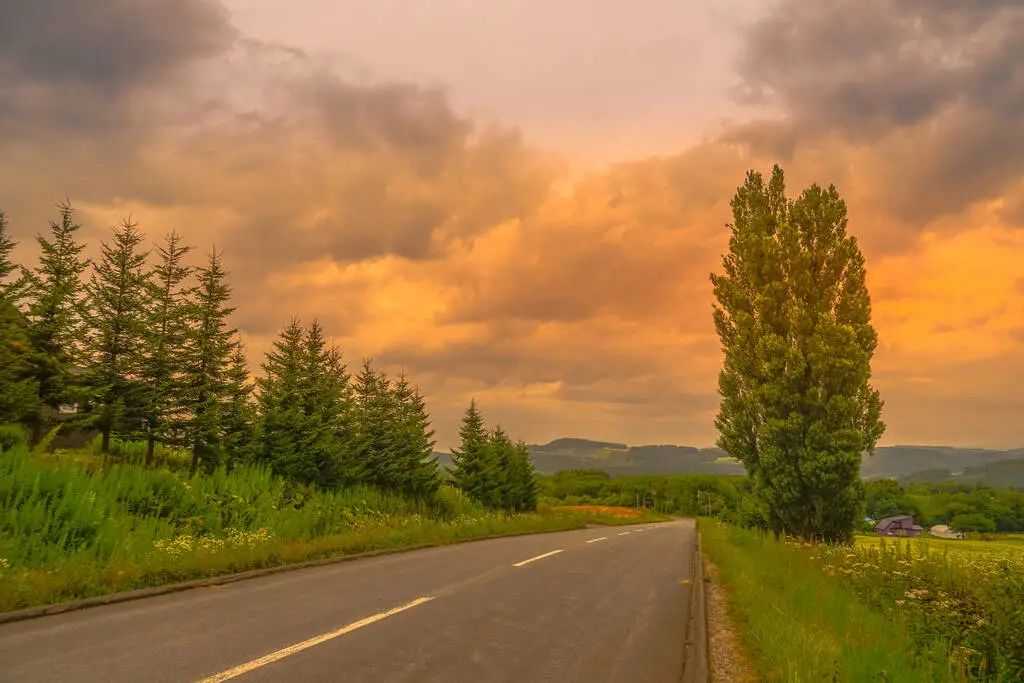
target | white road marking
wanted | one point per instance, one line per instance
(539, 557)
(624, 533)
(311, 642)
(639, 530)
(595, 540)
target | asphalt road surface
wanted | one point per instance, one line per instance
(601, 604)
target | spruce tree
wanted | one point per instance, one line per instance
(207, 351)
(237, 412)
(413, 442)
(794, 318)
(53, 310)
(473, 464)
(115, 317)
(282, 420)
(19, 392)
(326, 406)
(165, 335)
(522, 478)
(374, 443)
(501, 486)
(10, 290)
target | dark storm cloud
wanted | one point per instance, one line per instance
(108, 43)
(947, 78)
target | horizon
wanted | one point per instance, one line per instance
(526, 213)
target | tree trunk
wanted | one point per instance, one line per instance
(150, 448)
(105, 443)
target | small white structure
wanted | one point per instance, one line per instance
(943, 531)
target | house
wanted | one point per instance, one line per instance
(899, 525)
(943, 531)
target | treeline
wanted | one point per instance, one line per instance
(137, 345)
(966, 507)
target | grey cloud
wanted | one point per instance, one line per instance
(943, 79)
(108, 43)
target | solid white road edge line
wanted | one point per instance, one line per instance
(539, 557)
(278, 655)
(595, 540)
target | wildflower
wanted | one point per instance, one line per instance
(4, 564)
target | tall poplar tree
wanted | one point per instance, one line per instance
(115, 317)
(165, 336)
(794, 318)
(205, 359)
(54, 290)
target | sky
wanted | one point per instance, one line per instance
(521, 201)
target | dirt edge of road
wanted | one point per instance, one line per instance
(729, 660)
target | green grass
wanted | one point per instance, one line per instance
(801, 624)
(71, 528)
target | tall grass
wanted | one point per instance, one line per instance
(68, 530)
(803, 625)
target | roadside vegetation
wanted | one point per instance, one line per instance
(72, 526)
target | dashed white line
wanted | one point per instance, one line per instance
(539, 557)
(595, 540)
(278, 655)
(624, 533)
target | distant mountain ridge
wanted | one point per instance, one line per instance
(900, 462)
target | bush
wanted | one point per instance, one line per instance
(12, 435)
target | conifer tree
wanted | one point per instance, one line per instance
(794, 317)
(19, 392)
(413, 442)
(326, 406)
(165, 335)
(10, 291)
(207, 350)
(282, 420)
(115, 317)
(237, 412)
(473, 464)
(53, 310)
(502, 487)
(522, 479)
(374, 443)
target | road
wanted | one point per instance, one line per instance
(599, 604)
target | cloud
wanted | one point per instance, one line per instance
(934, 88)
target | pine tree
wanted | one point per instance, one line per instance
(474, 467)
(501, 493)
(794, 318)
(165, 335)
(19, 392)
(282, 420)
(10, 292)
(54, 315)
(374, 443)
(115, 320)
(413, 442)
(207, 351)
(522, 478)
(326, 405)
(237, 412)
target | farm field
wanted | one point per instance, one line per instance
(1010, 546)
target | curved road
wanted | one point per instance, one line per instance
(600, 604)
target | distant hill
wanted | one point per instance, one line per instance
(1006, 473)
(931, 463)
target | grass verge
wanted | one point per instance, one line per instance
(800, 624)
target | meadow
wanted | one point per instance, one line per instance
(882, 609)
(74, 524)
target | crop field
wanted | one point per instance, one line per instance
(1008, 546)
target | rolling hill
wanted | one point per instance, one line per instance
(899, 462)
